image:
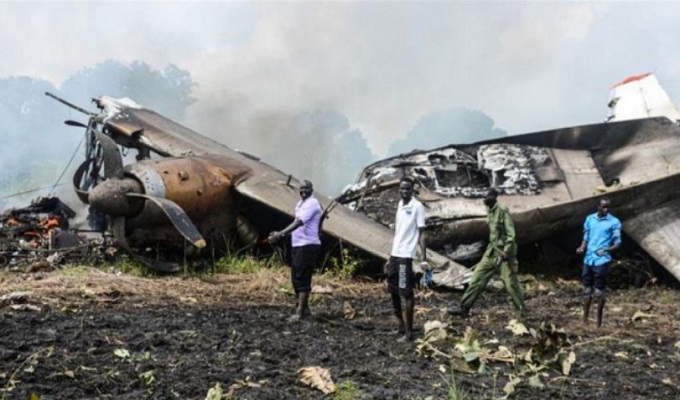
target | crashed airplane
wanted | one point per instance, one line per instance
(184, 188)
(549, 180)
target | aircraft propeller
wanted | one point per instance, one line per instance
(119, 196)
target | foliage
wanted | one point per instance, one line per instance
(347, 265)
(346, 390)
(245, 264)
(444, 128)
(133, 267)
(27, 366)
(74, 270)
(167, 91)
(37, 145)
(455, 392)
(215, 392)
(549, 349)
(339, 151)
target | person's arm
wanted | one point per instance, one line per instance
(509, 245)
(276, 236)
(422, 234)
(615, 242)
(586, 233)
(422, 241)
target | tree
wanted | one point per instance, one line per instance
(319, 146)
(455, 126)
(37, 146)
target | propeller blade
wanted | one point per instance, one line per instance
(178, 217)
(71, 122)
(83, 195)
(113, 161)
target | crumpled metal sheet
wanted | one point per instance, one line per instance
(454, 172)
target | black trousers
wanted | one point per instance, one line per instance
(303, 262)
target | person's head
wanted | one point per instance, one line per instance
(306, 189)
(406, 188)
(491, 198)
(603, 207)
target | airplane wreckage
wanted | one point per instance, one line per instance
(194, 194)
(549, 180)
(191, 193)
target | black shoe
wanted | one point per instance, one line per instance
(460, 312)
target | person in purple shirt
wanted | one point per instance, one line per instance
(601, 236)
(306, 246)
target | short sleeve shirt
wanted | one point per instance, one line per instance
(309, 212)
(409, 218)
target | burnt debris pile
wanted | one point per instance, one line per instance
(40, 237)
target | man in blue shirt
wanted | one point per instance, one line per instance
(601, 236)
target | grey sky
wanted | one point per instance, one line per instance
(528, 65)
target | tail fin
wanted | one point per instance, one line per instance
(640, 96)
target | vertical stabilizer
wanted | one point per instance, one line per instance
(640, 96)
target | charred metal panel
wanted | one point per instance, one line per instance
(582, 176)
(658, 232)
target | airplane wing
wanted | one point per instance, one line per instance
(275, 191)
(350, 226)
(134, 126)
(657, 231)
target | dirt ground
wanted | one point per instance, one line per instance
(81, 333)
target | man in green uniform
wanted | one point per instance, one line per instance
(500, 257)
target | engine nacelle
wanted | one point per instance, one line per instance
(201, 186)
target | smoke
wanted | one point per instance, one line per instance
(458, 126)
(40, 152)
(368, 73)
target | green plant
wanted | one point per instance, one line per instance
(347, 390)
(74, 270)
(133, 267)
(455, 392)
(346, 265)
(245, 264)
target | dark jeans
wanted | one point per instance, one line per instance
(303, 261)
(595, 276)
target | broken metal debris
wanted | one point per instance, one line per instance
(450, 172)
(39, 237)
(457, 172)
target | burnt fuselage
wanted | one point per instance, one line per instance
(549, 180)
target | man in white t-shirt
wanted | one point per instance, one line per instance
(408, 234)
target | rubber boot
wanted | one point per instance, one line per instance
(586, 308)
(600, 310)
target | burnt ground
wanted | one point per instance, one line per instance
(82, 333)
